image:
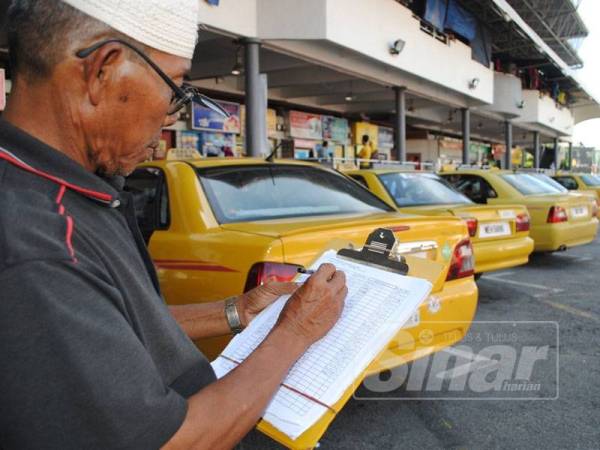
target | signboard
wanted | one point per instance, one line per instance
(305, 125)
(385, 138)
(208, 120)
(362, 128)
(2, 90)
(335, 129)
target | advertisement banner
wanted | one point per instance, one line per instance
(305, 125)
(335, 129)
(208, 120)
(385, 138)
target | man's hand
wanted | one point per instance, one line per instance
(254, 301)
(316, 306)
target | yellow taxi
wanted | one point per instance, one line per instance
(499, 233)
(579, 182)
(559, 220)
(219, 227)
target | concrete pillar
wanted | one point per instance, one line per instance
(556, 157)
(466, 134)
(400, 123)
(508, 140)
(255, 109)
(570, 153)
(536, 149)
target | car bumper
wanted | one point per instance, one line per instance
(502, 253)
(551, 237)
(443, 322)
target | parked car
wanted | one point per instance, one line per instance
(219, 227)
(579, 182)
(499, 233)
(558, 220)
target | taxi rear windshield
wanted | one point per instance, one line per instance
(411, 189)
(591, 180)
(254, 193)
(528, 184)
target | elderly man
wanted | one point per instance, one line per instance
(91, 356)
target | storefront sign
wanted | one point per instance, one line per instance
(362, 128)
(208, 120)
(305, 125)
(385, 138)
(2, 90)
(335, 129)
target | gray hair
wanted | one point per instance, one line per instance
(42, 32)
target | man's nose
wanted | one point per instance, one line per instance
(170, 120)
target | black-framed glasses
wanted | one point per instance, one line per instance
(181, 95)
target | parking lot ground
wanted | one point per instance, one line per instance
(560, 287)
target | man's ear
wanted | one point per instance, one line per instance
(101, 69)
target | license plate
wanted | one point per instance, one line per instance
(507, 214)
(487, 230)
(580, 211)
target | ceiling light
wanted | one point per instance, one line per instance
(237, 68)
(396, 47)
(349, 97)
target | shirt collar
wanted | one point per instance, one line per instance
(32, 155)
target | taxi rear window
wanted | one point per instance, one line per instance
(528, 184)
(411, 189)
(254, 193)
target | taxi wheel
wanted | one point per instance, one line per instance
(478, 276)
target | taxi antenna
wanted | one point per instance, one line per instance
(271, 156)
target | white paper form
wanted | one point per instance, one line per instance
(378, 304)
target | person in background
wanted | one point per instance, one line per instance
(366, 152)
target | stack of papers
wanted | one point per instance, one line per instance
(378, 304)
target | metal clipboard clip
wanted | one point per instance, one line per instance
(379, 251)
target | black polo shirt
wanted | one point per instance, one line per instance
(90, 356)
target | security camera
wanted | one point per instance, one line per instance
(396, 47)
(474, 83)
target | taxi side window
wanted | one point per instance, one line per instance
(150, 199)
(474, 187)
(360, 179)
(568, 182)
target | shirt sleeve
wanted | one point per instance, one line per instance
(73, 372)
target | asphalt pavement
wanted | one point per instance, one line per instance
(561, 290)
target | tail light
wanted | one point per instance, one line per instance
(557, 214)
(463, 261)
(266, 272)
(471, 225)
(522, 222)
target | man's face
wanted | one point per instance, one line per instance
(124, 128)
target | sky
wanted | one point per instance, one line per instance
(588, 132)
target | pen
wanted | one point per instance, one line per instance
(305, 271)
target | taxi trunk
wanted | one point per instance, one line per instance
(500, 235)
(445, 316)
(562, 221)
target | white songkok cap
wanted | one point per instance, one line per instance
(170, 26)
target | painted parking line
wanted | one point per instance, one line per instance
(570, 310)
(498, 279)
(542, 298)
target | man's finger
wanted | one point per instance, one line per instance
(338, 280)
(324, 272)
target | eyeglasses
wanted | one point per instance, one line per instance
(181, 95)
